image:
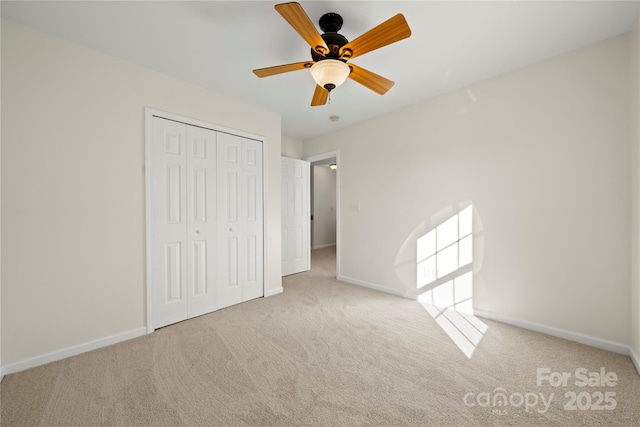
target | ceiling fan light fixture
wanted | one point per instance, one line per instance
(330, 73)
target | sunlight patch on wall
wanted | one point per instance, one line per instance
(445, 249)
(444, 261)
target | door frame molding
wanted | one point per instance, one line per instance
(149, 114)
(325, 156)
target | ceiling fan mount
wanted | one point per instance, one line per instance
(331, 22)
(331, 51)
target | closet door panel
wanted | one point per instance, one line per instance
(201, 220)
(229, 225)
(240, 219)
(251, 216)
(168, 240)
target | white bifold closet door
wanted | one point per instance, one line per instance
(189, 272)
(240, 219)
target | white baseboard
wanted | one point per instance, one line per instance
(571, 336)
(328, 245)
(272, 292)
(635, 359)
(560, 333)
(386, 290)
(32, 362)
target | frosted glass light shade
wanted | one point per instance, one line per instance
(329, 72)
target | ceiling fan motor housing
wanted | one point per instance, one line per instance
(330, 23)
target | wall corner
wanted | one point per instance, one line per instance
(635, 188)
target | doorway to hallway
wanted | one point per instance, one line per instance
(325, 205)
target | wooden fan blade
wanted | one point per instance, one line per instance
(370, 80)
(320, 96)
(279, 69)
(295, 15)
(390, 31)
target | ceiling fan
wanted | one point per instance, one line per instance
(330, 52)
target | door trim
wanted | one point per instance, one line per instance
(324, 156)
(149, 113)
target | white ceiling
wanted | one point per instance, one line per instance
(216, 44)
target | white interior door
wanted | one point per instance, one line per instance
(168, 240)
(201, 220)
(240, 220)
(183, 221)
(295, 216)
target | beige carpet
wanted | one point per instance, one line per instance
(323, 353)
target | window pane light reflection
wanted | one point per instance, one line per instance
(441, 253)
(445, 249)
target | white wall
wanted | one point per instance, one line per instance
(291, 147)
(541, 153)
(635, 140)
(324, 207)
(73, 220)
(1, 374)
